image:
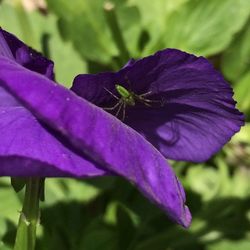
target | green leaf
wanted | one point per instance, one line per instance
(68, 63)
(11, 205)
(236, 59)
(174, 238)
(130, 23)
(45, 38)
(203, 180)
(230, 245)
(3, 229)
(243, 135)
(9, 20)
(57, 190)
(125, 226)
(98, 236)
(154, 16)
(4, 247)
(18, 183)
(224, 180)
(242, 89)
(114, 211)
(97, 239)
(85, 25)
(240, 186)
(198, 26)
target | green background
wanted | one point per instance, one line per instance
(109, 213)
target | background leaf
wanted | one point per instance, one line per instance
(198, 26)
(236, 59)
(45, 37)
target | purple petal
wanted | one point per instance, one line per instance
(94, 88)
(29, 148)
(4, 48)
(129, 63)
(195, 115)
(98, 135)
(24, 55)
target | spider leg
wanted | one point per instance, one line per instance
(124, 111)
(119, 109)
(116, 97)
(114, 107)
(152, 101)
(145, 94)
(148, 102)
(143, 100)
(161, 102)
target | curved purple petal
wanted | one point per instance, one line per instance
(191, 114)
(29, 148)
(101, 137)
(25, 140)
(26, 56)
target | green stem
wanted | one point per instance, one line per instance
(109, 10)
(29, 217)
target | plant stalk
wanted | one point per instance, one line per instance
(29, 217)
(112, 21)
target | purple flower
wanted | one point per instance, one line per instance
(24, 55)
(177, 101)
(49, 131)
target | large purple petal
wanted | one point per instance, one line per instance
(37, 150)
(199, 114)
(97, 134)
(195, 115)
(29, 148)
(30, 145)
(26, 56)
(24, 140)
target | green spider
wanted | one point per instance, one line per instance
(128, 98)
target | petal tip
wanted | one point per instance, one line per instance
(187, 218)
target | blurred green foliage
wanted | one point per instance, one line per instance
(109, 213)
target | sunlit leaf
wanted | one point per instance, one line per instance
(236, 59)
(85, 25)
(44, 37)
(243, 135)
(198, 26)
(58, 190)
(10, 203)
(242, 90)
(230, 245)
(203, 180)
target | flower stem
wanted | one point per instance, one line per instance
(29, 217)
(109, 10)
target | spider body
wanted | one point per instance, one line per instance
(127, 98)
